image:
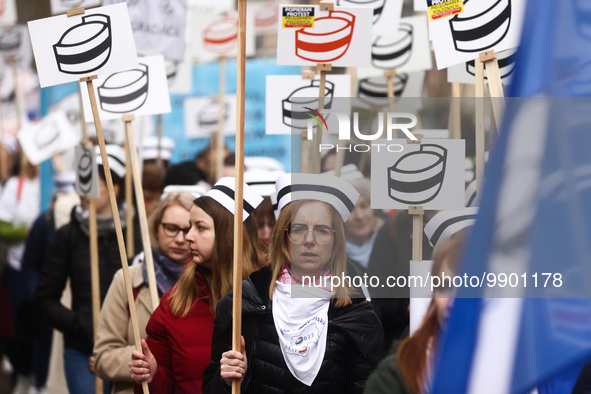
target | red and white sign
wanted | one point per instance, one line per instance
(339, 37)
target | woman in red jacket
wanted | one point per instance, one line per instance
(178, 346)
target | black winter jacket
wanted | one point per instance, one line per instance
(69, 257)
(353, 347)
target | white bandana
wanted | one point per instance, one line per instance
(301, 325)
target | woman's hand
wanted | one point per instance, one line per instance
(91, 364)
(233, 364)
(142, 366)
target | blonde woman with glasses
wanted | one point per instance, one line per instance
(168, 224)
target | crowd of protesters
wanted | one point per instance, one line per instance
(296, 339)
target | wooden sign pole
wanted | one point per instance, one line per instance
(159, 145)
(17, 94)
(219, 140)
(340, 155)
(115, 209)
(305, 144)
(493, 75)
(93, 232)
(128, 202)
(94, 276)
(141, 208)
(389, 74)
(455, 111)
(417, 219)
(85, 140)
(417, 232)
(238, 204)
(322, 68)
(480, 133)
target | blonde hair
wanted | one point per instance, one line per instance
(182, 199)
(219, 278)
(279, 254)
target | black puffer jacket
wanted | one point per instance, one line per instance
(69, 257)
(353, 347)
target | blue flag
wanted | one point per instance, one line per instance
(534, 224)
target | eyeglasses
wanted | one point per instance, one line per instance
(171, 230)
(322, 234)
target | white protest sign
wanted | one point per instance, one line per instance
(466, 73)
(100, 41)
(7, 12)
(86, 172)
(288, 96)
(420, 5)
(429, 174)
(113, 129)
(142, 90)
(158, 26)
(406, 51)
(371, 89)
(52, 134)
(215, 34)
(386, 13)
(197, 8)
(61, 6)
(484, 25)
(15, 42)
(179, 76)
(202, 116)
(339, 37)
(264, 16)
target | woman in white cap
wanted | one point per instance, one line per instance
(114, 340)
(178, 346)
(327, 342)
(68, 257)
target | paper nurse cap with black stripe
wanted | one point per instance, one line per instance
(326, 188)
(446, 223)
(116, 156)
(223, 193)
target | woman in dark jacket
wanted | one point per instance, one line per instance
(68, 257)
(326, 343)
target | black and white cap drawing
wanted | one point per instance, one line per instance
(224, 193)
(48, 137)
(86, 172)
(446, 223)
(172, 69)
(326, 188)
(377, 5)
(10, 40)
(126, 91)
(208, 116)
(417, 177)
(482, 25)
(294, 106)
(393, 52)
(53, 134)
(85, 47)
(374, 90)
